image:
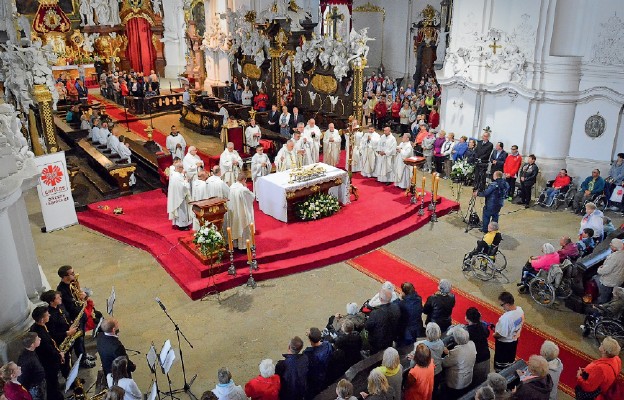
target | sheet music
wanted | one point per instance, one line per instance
(169, 361)
(110, 302)
(164, 351)
(73, 374)
(152, 357)
(153, 392)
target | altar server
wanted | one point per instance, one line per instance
(215, 187)
(356, 157)
(303, 147)
(176, 143)
(287, 157)
(192, 163)
(240, 211)
(260, 166)
(199, 191)
(94, 133)
(368, 149)
(313, 134)
(402, 172)
(386, 151)
(331, 146)
(112, 143)
(177, 199)
(123, 149)
(252, 134)
(102, 138)
(230, 163)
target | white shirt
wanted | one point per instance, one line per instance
(246, 97)
(250, 135)
(132, 391)
(510, 324)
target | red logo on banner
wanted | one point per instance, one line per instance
(51, 175)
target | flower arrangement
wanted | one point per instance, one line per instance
(209, 241)
(317, 206)
(462, 171)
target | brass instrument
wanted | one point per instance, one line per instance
(68, 342)
(80, 394)
(74, 286)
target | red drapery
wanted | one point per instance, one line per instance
(140, 51)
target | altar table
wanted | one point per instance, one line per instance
(277, 197)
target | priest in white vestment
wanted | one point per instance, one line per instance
(123, 149)
(94, 132)
(192, 163)
(252, 135)
(303, 147)
(312, 133)
(331, 146)
(215, 187)
(176, 143)
(403, 172)
(112, 143)
(368, 150)
(260, 166)
(104, 134)
(177, 200)
(287, 157)
(240, 212)
(231, 164)
(199, 191)
(386, 151)
(356, 155)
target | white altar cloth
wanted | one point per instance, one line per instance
(271, 190)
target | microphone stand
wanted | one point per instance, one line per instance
(187, 385)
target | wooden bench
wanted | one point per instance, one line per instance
(144, 155)
(119, 173)
(69, 133)
(508, 373)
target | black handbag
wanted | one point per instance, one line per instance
(583, 395)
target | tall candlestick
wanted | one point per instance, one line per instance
(230, 241)
(248, 251)
(424, 180)
(433, 178)
(435, 192)
(414, 176)
(253, 234)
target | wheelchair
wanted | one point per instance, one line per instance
(605, 325)
(484, 265)
(600, 199)
(560, 198)
(546, 286)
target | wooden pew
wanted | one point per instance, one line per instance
(508, 373)
(68, 132)
(147, 158)
(118, 173)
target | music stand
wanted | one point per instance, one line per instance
(166, 359)
(110, 302)
(73, 374)
(151, 358)
(153, 392)
(187, 385)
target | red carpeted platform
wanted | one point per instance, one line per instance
(382, 214)
(384, 266)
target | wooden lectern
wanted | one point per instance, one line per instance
(211, 210)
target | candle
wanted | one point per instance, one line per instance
(435, 193)
(253, 234)
(230, 242)
(433, 178)
(248, 252)
(423, 185)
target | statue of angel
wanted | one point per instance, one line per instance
(86, 13)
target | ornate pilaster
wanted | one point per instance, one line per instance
(358, 85)
(275, 74)
(43, 97)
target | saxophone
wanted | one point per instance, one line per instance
(68, 342)
(74, 286)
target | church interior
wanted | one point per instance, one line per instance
(119, 117)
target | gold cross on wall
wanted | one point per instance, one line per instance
(495, 46)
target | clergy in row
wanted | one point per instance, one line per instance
(175, 143)
(207, 186)
(331, 146)
(312, 133)
(368, 152)
(192, 163)
(177, 197)
(403, 172)
(240, 212)
(231, 164)
(386, 152)
(260, 166)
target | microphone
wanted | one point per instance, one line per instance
(160, 304)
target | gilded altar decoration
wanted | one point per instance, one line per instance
(307, 173)
(324, 84)
(50, 18)
(252, 71)
(368, 7)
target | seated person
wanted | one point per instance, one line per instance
(611, 309)
(592, 185)
(490, 239)
(568, 250)
(336, 322)
(611, 273)
(607, 226)
(561, 181)
(376, 301)
(586, 243)
(538, 263)
(593, 219)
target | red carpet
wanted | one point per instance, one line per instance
(384, 266)
(381, 215)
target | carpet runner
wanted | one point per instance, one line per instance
(384, 266)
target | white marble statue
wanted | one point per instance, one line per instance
(156, 7)
(86, 13)
(24, 25)
(11, 136)
(114, 13)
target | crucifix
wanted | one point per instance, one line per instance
(495, 46)
(332, 19)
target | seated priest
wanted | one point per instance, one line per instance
(287, 157)
(260, 165)
(123, 149)
(177, 195)
(112, 143)
(192, 163)
(231, 164)
(240, 211)
(331, 145)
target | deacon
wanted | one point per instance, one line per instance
(240, 211)
(192, 163)
(303, 146)
(177, 205)
(112, 143)
(331, 146)
(386, 150)
(403, 172)
(215, 187)
(260, 166)
(287, 157)
(252, 134)
(176, 143)
(313, 134)
(230, 164)
(356, 157)
(368, 150)
(199, 191)
(102, 138)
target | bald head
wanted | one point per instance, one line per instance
(202, 175)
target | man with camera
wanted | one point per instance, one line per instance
(495, 195)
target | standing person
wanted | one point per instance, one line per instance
(274, 119)
(392, 369)
(119, 376)
(109, 346)
(386, 151)
(550, 351)
(410, 323)
(293, 371)
(482, 158)
(427, 149)
(402, 171)
(599, 375)
(434, 118)
(535, 383)
(419, 385)
(240, 211)
(176, 143)
(261, 101)
(192, 163)
(313, 134)
(381, 112)
(230, 163)
(252, 135)
(295, 119)
(284, 123)
(177, 199)
(265, 386)
(260, 166)
(438, 157)
(510, 170)
(368, 150)
(495, 195)
(247, 96)
(319, 354)
(528, 177)
(439, 306)
(226, 389)
(383, 322)
(47, 352)
(459, 364)
(33, 374)
(331, 145)
(497, 158)
(507, 332)
(447, 152)
(286, 158)
(478, 332)
(13, 389)
(404, 115)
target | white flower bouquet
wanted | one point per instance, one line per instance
(209, 241)
(462, 171)
(317, 206)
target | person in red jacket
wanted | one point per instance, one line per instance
(260, 101)
(13, 390)
(396, 109)
(265, 386)
(434, 118)
(601, 373)
(381, 112)
(123, 88)
(562, 180)
(511, 168)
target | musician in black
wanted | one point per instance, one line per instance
(33, 375)
(110, 347)
(73, 303)
(49, 355)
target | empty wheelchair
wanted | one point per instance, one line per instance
(484, 265)
(546, 286)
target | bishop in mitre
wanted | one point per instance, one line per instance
(403, 172)
(252, 135)
(177, 199)
(287, 157)
(312, 133)
(192, 163)
(368, 150)
(175, 143)
(331, 145)
(303, 146)
(240, 212)
(231, 164)
(386, 151)
(260, 166)
(199, 192)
